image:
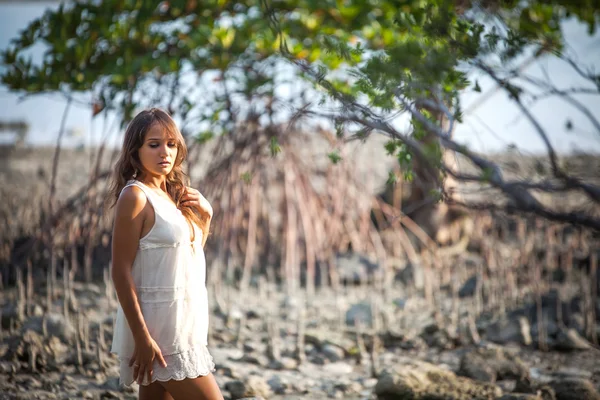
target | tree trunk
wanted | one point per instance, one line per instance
(443, 223)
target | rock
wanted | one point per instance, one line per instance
(333, 353)
(319, 338)
(236, 389)
(227, 371)
(32, 383)
(7, 367)
(112, 384)
(8, 314)
(469, 287)
(58, 353)
(253, 314)
(258, 359)
(338, 368)
(31, 343)
(413, 275)
(399, 302)
(353, 268)
(352, 388)
(283, 363)
(318, 359)
(360, 312)
(416, 343)
(520, 396)
(574, 389)
(38, 311)
(56, 325)
(439, 339)
(86, 394)
(507, 385)
(514, 330)
(489, 365)
(277, 385)
(253, 386)
(250, 347)
(550, 327)
(419, 380)
(109, 394)
(570, 340)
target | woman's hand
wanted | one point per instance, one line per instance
(143, 357)
(193, 198)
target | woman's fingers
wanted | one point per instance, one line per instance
(136, 370)
(161, 360)
(150, 374)
(132, 359)
(141, 373)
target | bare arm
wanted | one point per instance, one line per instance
(129, 219)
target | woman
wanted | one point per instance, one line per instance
(158, 266)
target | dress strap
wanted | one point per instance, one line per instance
(144, 188)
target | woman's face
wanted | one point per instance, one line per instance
(158, 152)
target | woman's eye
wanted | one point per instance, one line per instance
(153, 145)
(172, 144)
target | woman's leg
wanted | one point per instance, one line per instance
(154, 391)
(200, 388)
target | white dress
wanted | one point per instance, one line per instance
(169, 273)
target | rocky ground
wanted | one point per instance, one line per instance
(62, 351)
(354, 343)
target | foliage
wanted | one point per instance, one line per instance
(216, 63)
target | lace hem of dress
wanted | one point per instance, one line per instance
(191, 363)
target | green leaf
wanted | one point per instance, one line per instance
(334, 157)
(246, 177)
(274, 146)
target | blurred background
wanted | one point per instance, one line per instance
(403, 191)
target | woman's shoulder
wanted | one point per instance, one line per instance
(132, 197)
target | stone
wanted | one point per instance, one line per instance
(227, 371)
(283, 363)
(56, 325)
(252, 386)
(318, 359)
(570, 340)
(400, 302)
(277, 385)
(86, 394)
(333, 353)
(421, 380)
(112, 384)
(412, 275)
(109, 394)
(9, 313)
(361, 313)
(257, 359)
(574, 389)
(338, 368)
(520, 396)
(510, 330)
(489, 365)
(469, 287)
(7, 367)
(353, 268)
(319, 338)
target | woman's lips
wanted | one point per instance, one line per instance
(164, 163)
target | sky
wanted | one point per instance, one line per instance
(491, 126)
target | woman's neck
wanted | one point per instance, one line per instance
(154, 182)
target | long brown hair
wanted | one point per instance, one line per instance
(129, 165)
